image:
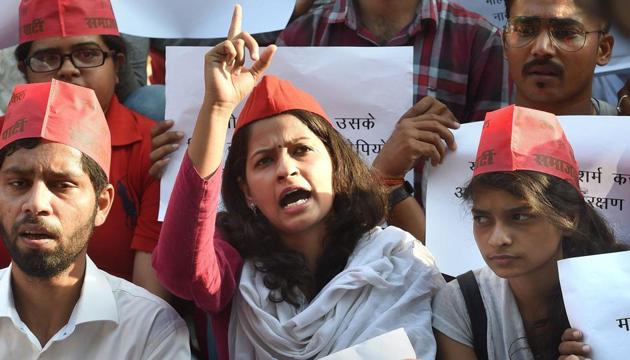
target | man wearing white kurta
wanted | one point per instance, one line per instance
(55, 154)
(113, 319)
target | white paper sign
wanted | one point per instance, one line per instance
(392, 345)
(173, 19)
(603, 154)
(596, 292)
(364, 91)
(492, 10)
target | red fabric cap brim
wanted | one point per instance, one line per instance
(59, 112)
(273, 96)
(517, 138)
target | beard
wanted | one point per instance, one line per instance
(47, 264)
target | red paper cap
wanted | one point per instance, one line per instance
(59, 112)
(273, 96)
(48, 18)
(517, 138)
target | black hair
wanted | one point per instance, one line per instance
(601, 14)
(359, 205)
(585, 231)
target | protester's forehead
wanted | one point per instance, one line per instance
(484, 198)
(277, 130)
(47, 157)
(549, 9)
(68, 43)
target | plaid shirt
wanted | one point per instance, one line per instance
(458, 56)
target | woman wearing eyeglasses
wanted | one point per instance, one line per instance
(77, 41)
(528, 213)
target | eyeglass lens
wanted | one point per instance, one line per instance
(81, 58)
(567, 34)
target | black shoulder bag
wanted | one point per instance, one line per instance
(477, 313)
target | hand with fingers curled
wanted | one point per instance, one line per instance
(623, 104)
(423, 132)
(163, 143)
(573, 347)
(227, 83)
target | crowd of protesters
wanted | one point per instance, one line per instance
(313, 251)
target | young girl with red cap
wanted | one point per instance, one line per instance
(296, 267)
(528, 213)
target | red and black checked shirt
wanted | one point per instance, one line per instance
(458, 57)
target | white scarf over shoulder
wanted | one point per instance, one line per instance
(387, 284)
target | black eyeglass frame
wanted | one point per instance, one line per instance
(507, 29)
(106, 54)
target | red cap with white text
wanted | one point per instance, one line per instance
(517, 138)
(273, 96)
(59, 112)
(49, 18)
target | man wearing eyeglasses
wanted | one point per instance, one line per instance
(552, 48)
(77, 41)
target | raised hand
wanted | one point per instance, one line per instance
(227, 80)
(227, 83)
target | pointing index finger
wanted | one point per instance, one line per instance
(235, 25)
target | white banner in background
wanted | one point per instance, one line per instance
(363, 90)
(596, 292)
(198, 18)
(9, 23)
(492, 10)
(174, 19)
(603, 154)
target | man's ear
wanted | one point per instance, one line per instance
(119, 60)
(502, 35)
(104, 202)
(605, 48)
(22, 67)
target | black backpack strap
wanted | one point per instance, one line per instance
(476, 312)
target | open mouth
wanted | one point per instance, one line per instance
(38, 233)
(294, 198)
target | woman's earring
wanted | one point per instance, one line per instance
(253, 208)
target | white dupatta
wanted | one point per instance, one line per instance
(387, 284)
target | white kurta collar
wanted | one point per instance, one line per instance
(96, 302)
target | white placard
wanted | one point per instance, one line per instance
(364, 91)
(173, 19)
(492, 10)
(392, 345)
(596, 292)
(602, 152)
